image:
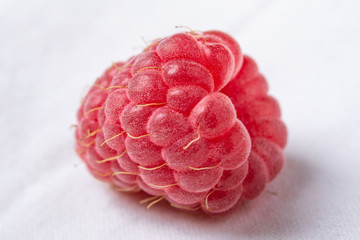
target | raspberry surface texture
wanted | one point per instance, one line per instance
(188, 120)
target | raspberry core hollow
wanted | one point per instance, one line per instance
(188, 120)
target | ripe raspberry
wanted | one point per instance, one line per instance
(188, 120)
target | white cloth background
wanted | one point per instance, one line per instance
(51, 50)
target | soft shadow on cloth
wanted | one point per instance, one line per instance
(272, 212)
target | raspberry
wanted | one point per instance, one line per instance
(188, 120)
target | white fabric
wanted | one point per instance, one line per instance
(51, 50)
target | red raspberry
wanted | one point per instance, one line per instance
(188, 120)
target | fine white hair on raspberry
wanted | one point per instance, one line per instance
(111, 158)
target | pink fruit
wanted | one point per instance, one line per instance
(188, 120)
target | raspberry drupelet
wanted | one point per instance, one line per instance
(188, 120)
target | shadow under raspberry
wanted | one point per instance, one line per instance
(273, 213)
